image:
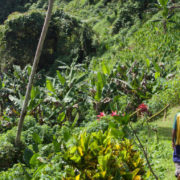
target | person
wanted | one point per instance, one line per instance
(176, 144)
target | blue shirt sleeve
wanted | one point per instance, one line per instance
(175, 122)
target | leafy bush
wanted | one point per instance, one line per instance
(29, 122)
(17, 172)
(9, 154)
(67, 38)
(97, 156)
(45, 133)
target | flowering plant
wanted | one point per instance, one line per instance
(102, 114)
(142, 108)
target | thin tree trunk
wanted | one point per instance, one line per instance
(144, 152)
(35, 64)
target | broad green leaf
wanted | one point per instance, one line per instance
(147, 63)
(17, 101)
(61, 117)
(75, 120)
(34, 92)
(157, 74)
(163, 2)
(73, 149)
(49, 86)
(100, 79)
(98, 92)
(61, 78)
(29, 70)
(148, 174)
(37, 138)
(76, 158)
(34, 161)
(105, 68)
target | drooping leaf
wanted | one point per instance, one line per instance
(147, 63)
(105, 68)
(75, 120)
(37, 138)
(98, 93)
(34, 161)
(61, 117)
(157, 74)
(34, 92)
(49, 86)
(61, 78)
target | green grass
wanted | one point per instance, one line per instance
(158, 144)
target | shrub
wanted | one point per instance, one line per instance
(29, 122)
(96, 156)
(67, 38)
(9, 154)
(45, 132)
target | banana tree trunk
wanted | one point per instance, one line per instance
(35, 64)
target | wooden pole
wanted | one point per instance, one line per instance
(34, 68)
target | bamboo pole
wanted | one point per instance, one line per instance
(34, 68)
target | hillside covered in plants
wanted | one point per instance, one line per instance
(108, 68)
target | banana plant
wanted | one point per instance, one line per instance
(66, 92)
(33, 108)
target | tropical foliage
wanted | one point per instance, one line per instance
(105, 67)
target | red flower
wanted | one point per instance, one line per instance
(100, 115)
(114, 113)
(143, 108)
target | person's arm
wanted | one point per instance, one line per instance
(173, 138)
(174, 132)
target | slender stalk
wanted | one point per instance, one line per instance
(144, 152)
(158, 112)
(34, 68)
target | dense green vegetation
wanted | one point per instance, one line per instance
(101, 62)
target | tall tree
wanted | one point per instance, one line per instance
(34, 68)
